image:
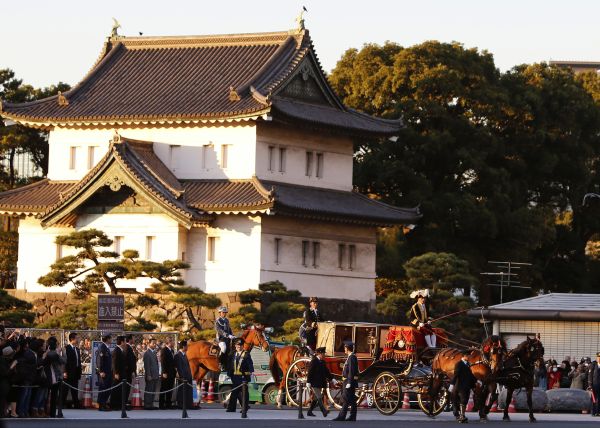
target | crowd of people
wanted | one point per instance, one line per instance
(32, 370)
(568, 374)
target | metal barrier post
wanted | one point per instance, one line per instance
(184, 414)
(299, 384)
(244, 401)
(123, 400)
(61, 400)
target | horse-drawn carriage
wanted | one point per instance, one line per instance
(391, 360)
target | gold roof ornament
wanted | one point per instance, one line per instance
(233, 95)
(114, 32)
(62, 100)
(116, 139)
(300, 19)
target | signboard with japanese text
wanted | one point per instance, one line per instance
(111, 325)
(111, 307)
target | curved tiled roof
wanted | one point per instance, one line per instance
(33, 198)
(227, 195)
(165, 80)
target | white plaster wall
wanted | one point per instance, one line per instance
(338, 154)
(327, 279)
(186, 161)
(237, 264)
(37, 251)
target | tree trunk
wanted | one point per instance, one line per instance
(11, 167)
(192, 318)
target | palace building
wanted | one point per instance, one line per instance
(230, 152)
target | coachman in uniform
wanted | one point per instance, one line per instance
(350, 383)
(318, 379)
(104, 372)
(312, 316)
(462, 384)
(420, 317)
(239, 370)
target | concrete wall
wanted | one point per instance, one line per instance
(327, 279)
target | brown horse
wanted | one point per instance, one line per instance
(281, 360)
(484, 362)
(204, 358)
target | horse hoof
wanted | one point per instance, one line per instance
(532, 420)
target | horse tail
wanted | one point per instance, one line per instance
(274, 367)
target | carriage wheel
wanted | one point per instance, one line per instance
(297, 371)
(387, 393)
(439, 403)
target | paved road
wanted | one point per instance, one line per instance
(215, 417)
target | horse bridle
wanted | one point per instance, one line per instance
(260, 336)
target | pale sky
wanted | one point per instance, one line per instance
(47, 41)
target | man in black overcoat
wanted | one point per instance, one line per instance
(119, 372)
(104, 372)
(72, 369)
(131, 365)
(462, 383)
(184, 372)
(167, 377)
(350, 383)
(318, 378)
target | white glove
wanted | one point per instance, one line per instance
(231, 336)
(479, 383)
(450, 388)
(308, 385)
(347, 386)
(421, 324)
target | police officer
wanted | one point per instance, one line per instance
(317, 379)
(350, 383)
(239, 370)
(420, 317)
(461, 385)
(104, 372)
(224, 335)
(594, 385)
(311, 317)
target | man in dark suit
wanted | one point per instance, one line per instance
(130, 365)
(167, 377)
(240, 369)
(350, 383)
(317, 379)
(311, 317)
(119, 372)
(594, 385)
(72, 369)
(184, 372)
(461, 385)
(104, 372)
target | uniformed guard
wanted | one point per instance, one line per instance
(104, 372)
(312, 316)
(350, 383)
(224, 336)
(461, 385)
(317, 380)
(420, 317)
(240, 369)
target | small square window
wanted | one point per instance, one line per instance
(271, 160)
(305, 251)
(352, 257)
(282, 158)
(341, 255)
(72, 157)
(211, 253)
(224, 155)
(319, 173)
(316, 253)
(277, 250)
(309, 164)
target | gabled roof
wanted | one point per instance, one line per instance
(34, 198)
(199, 79)
(548, 307)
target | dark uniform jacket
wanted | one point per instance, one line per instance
(240, 366)
(183, 367)
(311, 317)
(418, 315)
(318, 373)
(73, 366)
(131, 362)
(463, 380)
(119, 364)
(594, 375)
(167, 362)
(350, 372)
(104, 361)
(223, 329)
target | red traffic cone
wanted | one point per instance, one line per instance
(406, 402)
(136, 399)
(512, 408)
(210, 398)
(87, 394)
(202, 392)
(471, 403)
(494, 408)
